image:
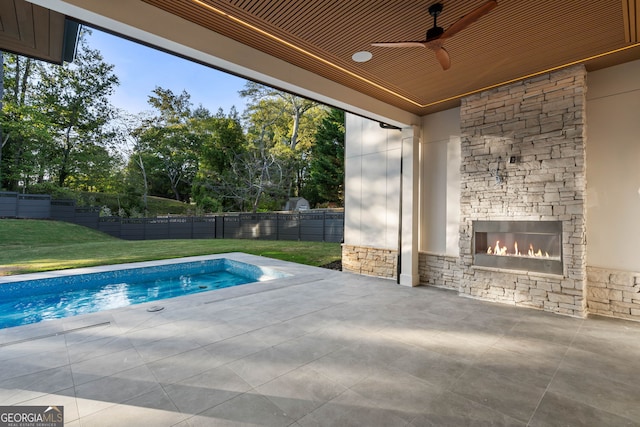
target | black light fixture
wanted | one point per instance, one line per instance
(388, 126)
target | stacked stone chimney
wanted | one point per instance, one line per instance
(540, 122)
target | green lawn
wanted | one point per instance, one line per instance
(28, 246)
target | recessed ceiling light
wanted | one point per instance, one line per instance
(362, 56)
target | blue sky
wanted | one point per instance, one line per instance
(140, 69)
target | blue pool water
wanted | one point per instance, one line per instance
(33, 301)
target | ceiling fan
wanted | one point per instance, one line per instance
(437, 35)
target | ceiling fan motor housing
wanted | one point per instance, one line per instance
(434, 32)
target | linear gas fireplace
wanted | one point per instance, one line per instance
(519, 245)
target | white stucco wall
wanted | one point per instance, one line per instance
(440, 183)
(613, 167)
(372, 178)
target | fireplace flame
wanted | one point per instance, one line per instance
(499, 250)
(502, 250)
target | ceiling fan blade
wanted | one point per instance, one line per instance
(469, 18)
(443, 57)
(399, 44)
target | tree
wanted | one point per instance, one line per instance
(222, 140)
(74, 97)
(169, 145)
(326, 167)
(280, 126)
(131, 147)
(26, 130)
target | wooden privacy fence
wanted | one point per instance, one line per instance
(313, 225)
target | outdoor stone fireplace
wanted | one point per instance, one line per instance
(523, 180)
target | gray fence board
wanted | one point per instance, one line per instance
(288, 226)
(8, 205)
(205, 227)
(110, 225)
(181, 228)
(87, 216)
(312, 227)
(334, 227)
(36, 206)
(269, 226)
(231, 228)
(63, 209)
(132, 228)
(156, 228)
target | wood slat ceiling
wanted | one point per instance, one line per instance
(518, 38)
(31, 30)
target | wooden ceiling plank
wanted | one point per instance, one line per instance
(42, 33)
(628, 15)
(9, 19)
(635, 28)
(24, 17)
(56, 40)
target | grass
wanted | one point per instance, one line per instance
(29, 246)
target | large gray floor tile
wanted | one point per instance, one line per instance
(559, 411)
(503, 394)
(96, 347)
(596, 390)
(206, 390)
(16, 390)
(184, 365)
(450, 409)
(105, 365)
(397, 392)
(249, 409)
(263, 366)
(537, 371)
(300, 391)
(119, 387)
(25, 364)
(435, 368)
(351, 410)
(166, 347)
(618, 369)
(130, 414)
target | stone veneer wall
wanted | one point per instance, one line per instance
(370, 261)
(613, 293)
(541, 121)
(439, 270)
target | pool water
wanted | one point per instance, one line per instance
(34, 301)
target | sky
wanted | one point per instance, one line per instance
(140, 69)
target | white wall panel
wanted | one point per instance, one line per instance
(440, 183)
(613, 167)
(372, 176)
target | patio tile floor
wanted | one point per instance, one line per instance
(326, 348)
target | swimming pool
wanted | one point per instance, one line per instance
(30, 301)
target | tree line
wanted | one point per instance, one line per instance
(61, 135)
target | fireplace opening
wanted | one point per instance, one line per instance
(519, 245)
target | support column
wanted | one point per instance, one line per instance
(409, 205)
